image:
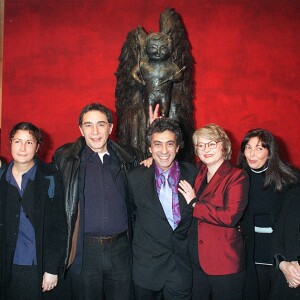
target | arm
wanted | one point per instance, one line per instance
(55, 240)
(235, 198)
(285, 231)
(135, 73)
(132, 206)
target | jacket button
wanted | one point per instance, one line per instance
(200, 242)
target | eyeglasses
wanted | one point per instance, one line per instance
(210, 145)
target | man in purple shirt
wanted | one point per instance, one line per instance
(161, 218)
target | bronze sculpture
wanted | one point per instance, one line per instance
(155, 68)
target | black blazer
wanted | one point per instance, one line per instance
(155, 245)
(43, 204)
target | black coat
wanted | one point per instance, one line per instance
(67, 161)
(247, 227)
(155, 244)
(43, 203)
(286, 244)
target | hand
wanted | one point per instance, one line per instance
(291, 271)
(147, 162)
(49, 282)
(187, 191)
(153, 115)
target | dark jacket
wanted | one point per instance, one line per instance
(67, 161)
(247, 226)
(43, 203)
(156, 247)
(286, 243)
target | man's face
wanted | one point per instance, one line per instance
(164, 148)
(96, 129)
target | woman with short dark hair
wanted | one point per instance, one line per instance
(32, 219)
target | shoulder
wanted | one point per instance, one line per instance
(234, 173)
(186, 166)
(3, 170)
(46, 169)
(70, 149)
(127, 155)
(140, 171)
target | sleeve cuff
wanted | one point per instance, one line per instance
(278, 258)
(193, 202)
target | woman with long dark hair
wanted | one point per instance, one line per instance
(274, 190)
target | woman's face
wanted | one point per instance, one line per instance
(255, 153)
(23, 147)
(208, 155)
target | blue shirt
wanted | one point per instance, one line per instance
(25, 252)
(104, 205)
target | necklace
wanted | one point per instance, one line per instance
(260, 171)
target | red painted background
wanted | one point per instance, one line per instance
(61, 55)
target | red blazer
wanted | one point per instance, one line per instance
(219, 210)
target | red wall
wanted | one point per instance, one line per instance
(61, 55)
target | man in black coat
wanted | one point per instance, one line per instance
(94, 170)
(161, 218)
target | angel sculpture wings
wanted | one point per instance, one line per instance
(155, 68)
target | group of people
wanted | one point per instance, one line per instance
(105, 222)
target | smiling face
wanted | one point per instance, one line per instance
(256, 155)
(164, 148)
(211, 157)
(96, 129)
(23, 147)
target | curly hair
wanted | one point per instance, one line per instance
(164, 124)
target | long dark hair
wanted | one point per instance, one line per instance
(278, 173)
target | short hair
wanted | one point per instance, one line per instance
(160, 36)
(278, 172)
(97, 107)
(216, 133)
(163, 124)
(33, 130)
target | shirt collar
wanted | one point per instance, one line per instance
(159, 171)
(30, 174)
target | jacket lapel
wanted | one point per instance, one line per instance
(223, 170)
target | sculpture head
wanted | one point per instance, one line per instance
(158, 46)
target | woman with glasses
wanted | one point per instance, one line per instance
(32, 219)
(220, 197)
(271, 224)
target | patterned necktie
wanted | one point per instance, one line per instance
(169, 201)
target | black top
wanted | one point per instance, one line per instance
(262, 199)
